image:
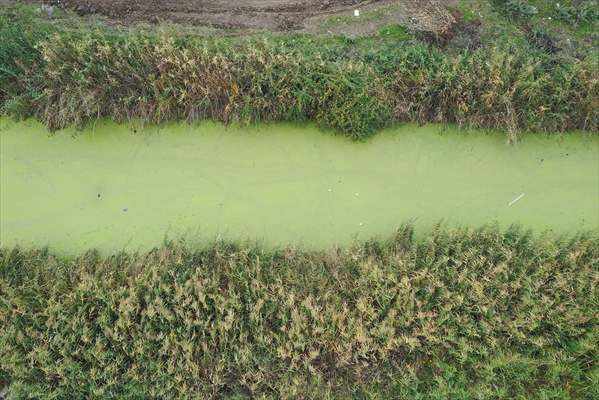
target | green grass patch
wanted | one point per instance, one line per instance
(365, 16)
(396, 32)
(468, 314)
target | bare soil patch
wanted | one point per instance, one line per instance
(272, 15)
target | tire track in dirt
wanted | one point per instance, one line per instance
(271, 15)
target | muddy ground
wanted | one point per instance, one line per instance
(333, 16)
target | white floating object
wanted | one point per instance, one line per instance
(357, 194)
(330, 190)
(361, 224)
(515, 200)
(356, 13)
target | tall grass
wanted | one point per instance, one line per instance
(501, 88)
(21, 64)
(70, 76)
(465, 314)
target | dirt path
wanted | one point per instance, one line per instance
(272, 15)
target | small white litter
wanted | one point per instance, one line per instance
(356, 13)
(48, 10)
(515, 200)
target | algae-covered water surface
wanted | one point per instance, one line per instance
(117, 187)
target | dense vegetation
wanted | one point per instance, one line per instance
(68, 75)
(460, 314)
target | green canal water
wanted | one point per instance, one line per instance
(116, 187)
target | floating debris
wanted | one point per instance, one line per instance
(515, 200)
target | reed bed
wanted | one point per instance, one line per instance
(459, 313)
(71, 76)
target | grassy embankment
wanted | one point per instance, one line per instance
(459, 314)
(516, 79)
